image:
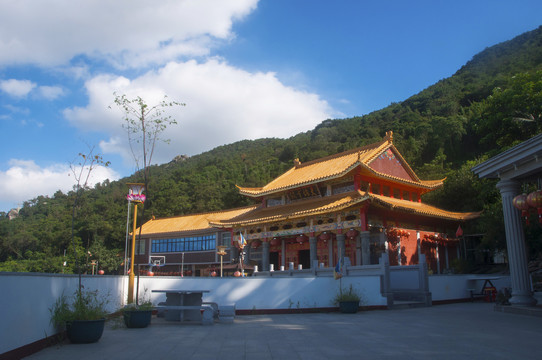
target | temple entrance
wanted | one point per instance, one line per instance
(305, 258)
(274, 259)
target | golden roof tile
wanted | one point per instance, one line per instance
(294, 210)
(317, 206)
(193, 222)
(336, 166)
(421, 209)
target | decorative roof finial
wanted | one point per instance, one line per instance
(389, 136)
(297, 162)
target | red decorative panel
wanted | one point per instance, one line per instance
(388, 163)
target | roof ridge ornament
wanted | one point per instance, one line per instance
(297, 162)
(389, 136)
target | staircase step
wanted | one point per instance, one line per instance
(406, 305)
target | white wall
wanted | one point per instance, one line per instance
(454, 287)
(262, 293)
(26, 300)
(27, 297)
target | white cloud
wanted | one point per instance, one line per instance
(124, 32)
(17, 88)
(223, 105)
(25, 180)
(50, 92)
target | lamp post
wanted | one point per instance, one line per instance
(221, 251)
(135, 196)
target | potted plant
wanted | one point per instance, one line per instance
(348, 300)
(83, 316)
(137, 315)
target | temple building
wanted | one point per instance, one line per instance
(184, 245)
(350, 207)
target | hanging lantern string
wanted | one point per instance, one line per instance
(525, 202)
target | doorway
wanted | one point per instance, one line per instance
(274, 259)
(305, 258)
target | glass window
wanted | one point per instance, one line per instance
(226, 238)
(193, 243)
(140, 247)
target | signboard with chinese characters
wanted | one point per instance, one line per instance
(303, 193)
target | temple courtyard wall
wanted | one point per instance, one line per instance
(27, 297)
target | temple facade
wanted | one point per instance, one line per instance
(350, 207)
(185, 245)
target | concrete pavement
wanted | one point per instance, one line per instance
(454, 331)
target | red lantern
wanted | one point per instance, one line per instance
(150, 273)
(301, 238)
(352, 233)
(534, 199)
(459, 231)
(213, 273)
(325, 236)
(274, 241)
(237, 273)
(520, 202)
(101, 272)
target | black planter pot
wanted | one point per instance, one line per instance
(85, 331)
(137, 318)
(349, 307)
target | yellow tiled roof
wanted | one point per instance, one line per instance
(421, 209)
(336, 166)
(338, 202)
(192, 222)
(294, 210)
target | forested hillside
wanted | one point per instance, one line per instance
(492, 103)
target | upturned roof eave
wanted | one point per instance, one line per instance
(426, 210)
(292, 214)
(245, 191)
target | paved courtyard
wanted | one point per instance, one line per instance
(455, 331)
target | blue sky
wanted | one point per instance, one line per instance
(246, 69)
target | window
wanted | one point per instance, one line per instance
(342, 188)
(274, 202)
(192, 243)
(226, 239)
(140, 247)
(386, 190)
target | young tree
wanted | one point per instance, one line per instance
(144, 125)
(81, 173)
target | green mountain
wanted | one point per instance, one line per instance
(492, 103)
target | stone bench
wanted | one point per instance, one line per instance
(226, 313)
(214, 306)
(207, 312)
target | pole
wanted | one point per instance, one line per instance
(132, 251)
(221, 256)
(182, 266)
(127, 237)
